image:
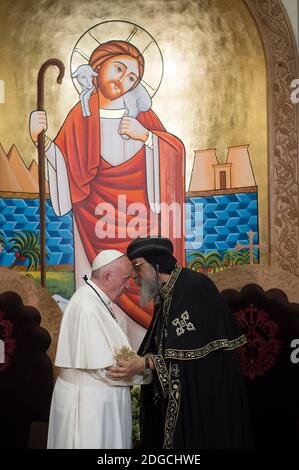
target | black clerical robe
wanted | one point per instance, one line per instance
(197, 399)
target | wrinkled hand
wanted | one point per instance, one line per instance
(131, 127)
(37, 124)
(126, 369)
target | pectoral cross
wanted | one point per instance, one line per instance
(183, 324)
(251, 246)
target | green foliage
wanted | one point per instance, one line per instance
(228, 258)
(135, 396)
(238, 257)
(2, 241)
(2, 237)
(57, 282)
(242, 257)
(212, 262)
(205, 262)
(27, 248)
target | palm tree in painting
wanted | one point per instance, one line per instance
(243, 257)
(228, 258)
(27, 248)
(205, 262)
(237, 257)
(2, 240)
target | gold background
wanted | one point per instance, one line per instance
(213, 93)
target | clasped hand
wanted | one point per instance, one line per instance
(124, 370)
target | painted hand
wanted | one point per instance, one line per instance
(37, 124)
(131, 127)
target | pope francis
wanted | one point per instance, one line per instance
(89, 410)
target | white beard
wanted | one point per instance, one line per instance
(149, 290)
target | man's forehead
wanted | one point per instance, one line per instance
(126, 272)
(127, 264)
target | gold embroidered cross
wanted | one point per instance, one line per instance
(183, 324)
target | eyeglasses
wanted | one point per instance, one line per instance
(136, 266)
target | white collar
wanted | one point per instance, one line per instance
(112, 113)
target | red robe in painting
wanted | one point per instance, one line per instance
(92, 181)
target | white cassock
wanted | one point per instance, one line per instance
(88, 410)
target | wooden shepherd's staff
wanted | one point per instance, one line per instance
(41, 162)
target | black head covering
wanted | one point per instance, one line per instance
(155, 250)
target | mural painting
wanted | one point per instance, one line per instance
(123, 158)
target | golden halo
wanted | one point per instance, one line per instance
(119, 30)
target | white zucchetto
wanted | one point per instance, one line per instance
(105, 257)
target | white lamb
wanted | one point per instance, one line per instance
(85, 75)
